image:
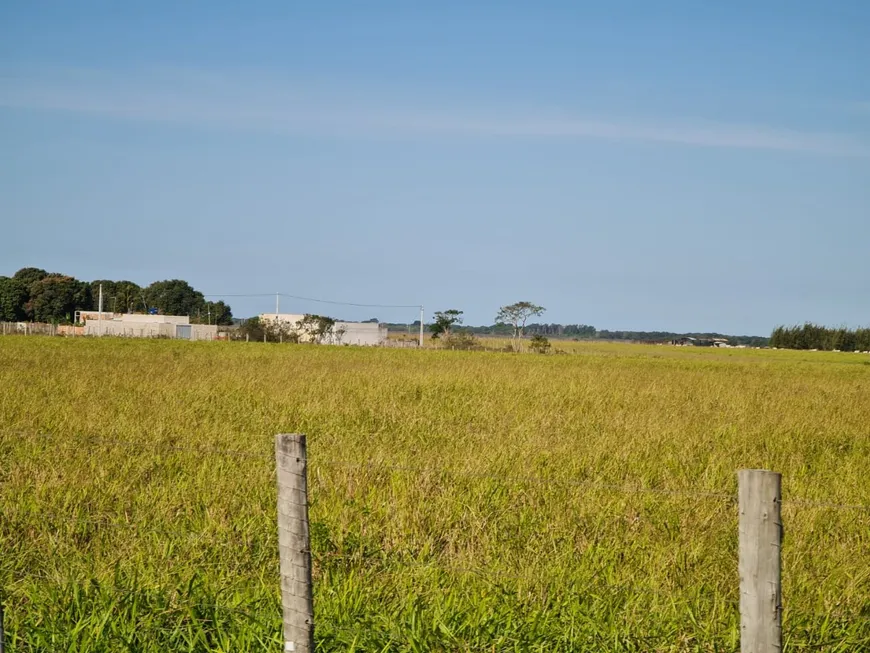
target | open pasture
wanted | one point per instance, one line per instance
(465, 501)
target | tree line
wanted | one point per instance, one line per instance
(814, 336)
(666, 336)
(35, 295)
(544, 329)
(511, 322)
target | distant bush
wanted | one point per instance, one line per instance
(462, 340)
(539, 344)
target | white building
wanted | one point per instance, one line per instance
(342, 333)
(134, 325)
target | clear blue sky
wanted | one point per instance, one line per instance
(632, 165)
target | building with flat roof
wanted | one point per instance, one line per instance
(136, 325)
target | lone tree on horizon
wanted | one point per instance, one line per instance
(516, 316)
(444, 322)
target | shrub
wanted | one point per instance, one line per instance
(462, 340)
(539, 344)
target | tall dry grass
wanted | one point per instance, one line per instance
(460, 500)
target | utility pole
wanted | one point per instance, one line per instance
(421, 326)
(277, 304)
(100, 318)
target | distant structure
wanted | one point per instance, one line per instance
(136, 325)
(343, 333)
(688, 341)
(83, 316)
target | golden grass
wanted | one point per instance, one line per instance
(503, 511)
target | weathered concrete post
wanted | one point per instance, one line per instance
(760, 561)
(294, 544)
(2, 635)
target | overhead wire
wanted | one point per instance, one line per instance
(313, 299)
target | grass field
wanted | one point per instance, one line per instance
(502, 513)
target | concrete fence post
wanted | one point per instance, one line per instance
(2, 632)
(294, 545)
(760, 561)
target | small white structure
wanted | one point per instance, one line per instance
(134, 325)
(342, 333)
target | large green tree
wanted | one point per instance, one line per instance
(34, 294)
(29, 276)
(219, 313)
(56, 298)
(175, 297)
(444, 323)
(212, 313)
(13, 297)
(516, 315)
(118, 296)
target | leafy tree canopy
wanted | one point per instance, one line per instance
(118, 296)
(13, 297)
(34, 294)
(219, 313)
(56, 298)
(444, 323)
(29, 276)
(516, 315)
(174, 297)
(317, 327)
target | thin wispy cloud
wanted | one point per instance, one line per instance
(244, 101)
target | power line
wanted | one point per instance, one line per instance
(313, 299)
(326, 301)
(270, 294)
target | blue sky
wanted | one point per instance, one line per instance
(631, 165)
